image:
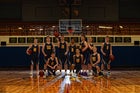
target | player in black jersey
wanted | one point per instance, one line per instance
(78, 60)
(90, 50)
(47, 49)
(35, 48)
(90, 45)
(106, 50)
(72, 49)
(95, 60)
(63, 51)
(84, 47)
(52, 64)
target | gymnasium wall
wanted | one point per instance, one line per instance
(16, 57)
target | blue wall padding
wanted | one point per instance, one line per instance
(16, 56)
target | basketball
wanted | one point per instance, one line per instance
(56, 34)
(30, 51)
(111, 57)
(41, 73)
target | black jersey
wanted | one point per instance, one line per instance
(94, 58)
(106, 48)
(83, 46)
(72, 48)
(48, 48)
(35, 50)
(90, 51)
(78, 59)
(62, 48)
(52, 62)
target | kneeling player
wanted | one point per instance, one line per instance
(78, 60)
(52, 64)
(95, 60)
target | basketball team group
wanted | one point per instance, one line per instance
(78, 58)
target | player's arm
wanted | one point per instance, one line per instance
(82, 58)
(38, 49)
(86, 46)
(48, 64)
(74, 59)
(28, 49)
(110, 50)
(43, 46)
(53, 46)
(90, 47)
(99, 58)
(102, 49)
(91, 60)
(67, 48)
(58, 44)
(56, 62)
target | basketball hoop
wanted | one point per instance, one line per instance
(70, 30)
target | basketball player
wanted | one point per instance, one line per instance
(95, 60)
(78, 60)
(47, 49)
(90, 50)
(90, 45)
(35, 48)
(84, 47)
(72, 49)
(106, 50)
(63, 50)
(52, 64)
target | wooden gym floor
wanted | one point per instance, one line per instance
(20, 82)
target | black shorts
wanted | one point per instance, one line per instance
(46, 58)
(71, 58)
(34, 60)
(105, 60)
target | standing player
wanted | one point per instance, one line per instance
(84, 47)
(63, 50)
(47, 49)
(106, 50)
(90, 50)
(35, 48)
(72, 49)
(52, 64)
(95, 60)
(90, 45)
(78, 60)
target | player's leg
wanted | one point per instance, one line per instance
(62, 60)
(71, 62)
(94, 70)
(103, 64)
(37, 66)
(87, 60)
(67, 66)
(50, 71)
(108, 68)
(45, 66)
(78, 68)
(31, 68)
(99, 70)
(54, 71)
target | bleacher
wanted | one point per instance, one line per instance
(44, 28)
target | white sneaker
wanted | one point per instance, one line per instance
(44, 76)
(31, 74)
(108, 74)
